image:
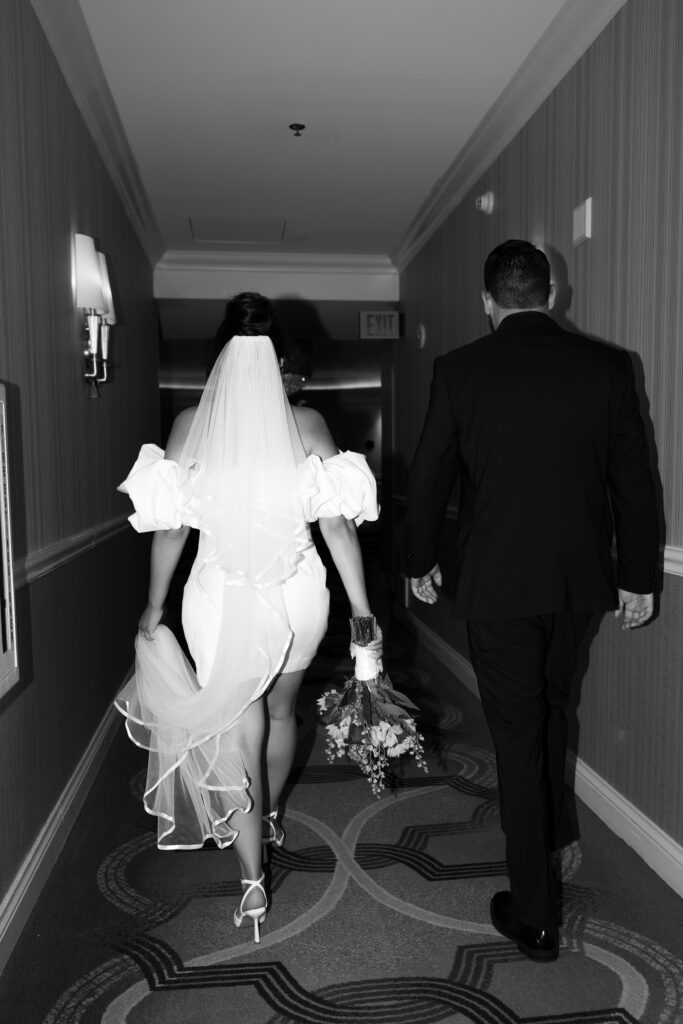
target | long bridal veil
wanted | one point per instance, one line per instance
(240, 453)
(240, 465)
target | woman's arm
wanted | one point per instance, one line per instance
(341, 538)
(167, 545)
(339, 533)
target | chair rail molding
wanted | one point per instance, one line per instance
(673, 556)
(673, 561)
(45, 560)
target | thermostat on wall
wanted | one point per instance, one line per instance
(485, 203)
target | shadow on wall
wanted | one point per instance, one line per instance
(563, 302)
(299, 319)
(345, 380)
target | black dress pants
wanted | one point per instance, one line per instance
(525, 668)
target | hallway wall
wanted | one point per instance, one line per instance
(611, 130)
(80, 570)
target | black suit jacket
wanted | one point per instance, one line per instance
(544, 428)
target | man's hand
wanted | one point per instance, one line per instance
(424, 587)
(636, 608)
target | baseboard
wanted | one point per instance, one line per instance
(649, 841)
(41, 858)
(436, 645)
(655, 847)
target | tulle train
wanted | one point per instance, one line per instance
(196, 778)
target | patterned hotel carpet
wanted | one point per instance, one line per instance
(379, 907)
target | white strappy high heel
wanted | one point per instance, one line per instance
(257, 914)
(277, 833)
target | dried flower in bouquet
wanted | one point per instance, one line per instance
(369, 721)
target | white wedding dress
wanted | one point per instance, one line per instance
(240, 634)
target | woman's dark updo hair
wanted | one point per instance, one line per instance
(250, 314)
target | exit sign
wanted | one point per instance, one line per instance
(380, 324)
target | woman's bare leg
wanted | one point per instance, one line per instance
(282, 733)
(248, 736)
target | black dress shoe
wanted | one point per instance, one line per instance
(536, 943)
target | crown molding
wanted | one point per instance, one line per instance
(286, 263)
(577, 25)
(69, 39)
(317, 276)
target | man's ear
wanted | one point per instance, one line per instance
(552, 295)
(488, 303)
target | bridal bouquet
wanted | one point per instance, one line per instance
(368, 720)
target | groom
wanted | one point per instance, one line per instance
(544, 430)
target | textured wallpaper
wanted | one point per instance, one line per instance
(67, 451)
(611, 130)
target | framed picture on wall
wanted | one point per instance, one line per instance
(9, 666)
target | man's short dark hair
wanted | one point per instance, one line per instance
(517, 275)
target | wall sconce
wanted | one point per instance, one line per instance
(93, 294)
(107, 320)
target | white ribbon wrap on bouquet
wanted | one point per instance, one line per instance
(368, 662)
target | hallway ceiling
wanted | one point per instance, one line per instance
(389, 91)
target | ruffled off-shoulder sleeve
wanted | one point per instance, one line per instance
(160, 491)
(342, 485)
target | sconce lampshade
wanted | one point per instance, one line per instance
(109, 313)
(89, 293)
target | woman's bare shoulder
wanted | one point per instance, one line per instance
(307, 418)
(179, 431)
(314, 432)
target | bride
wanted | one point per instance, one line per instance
(250, 473)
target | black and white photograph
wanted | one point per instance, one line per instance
(341, 512)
